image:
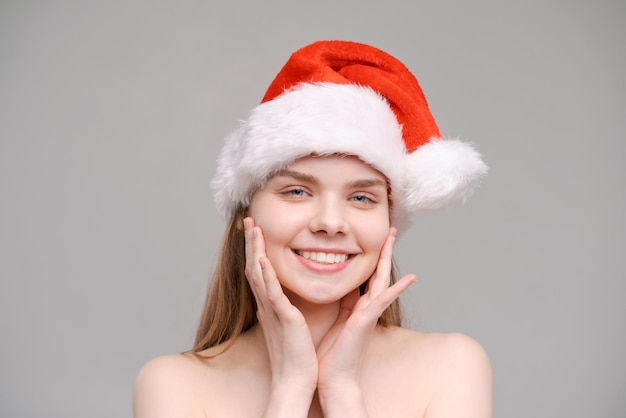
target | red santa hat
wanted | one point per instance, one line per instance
(339, 97)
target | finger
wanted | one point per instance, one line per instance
(252, 268)
(249, 236)
(393, 292)
(370, 312)
(280, 303)
(347, 305)
(272, 288)
(248, 239)
(382, 275)
(255, 244)
(248, 228)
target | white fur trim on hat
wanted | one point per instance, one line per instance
(328, 118)
(440, 173)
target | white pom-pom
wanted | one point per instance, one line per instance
(440, 173)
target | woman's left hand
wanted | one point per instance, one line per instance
(341, 350)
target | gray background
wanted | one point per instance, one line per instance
(111, 114)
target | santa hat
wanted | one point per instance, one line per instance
(338, 97)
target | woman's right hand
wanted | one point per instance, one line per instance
(290, 347)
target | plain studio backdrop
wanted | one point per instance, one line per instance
(111, 116)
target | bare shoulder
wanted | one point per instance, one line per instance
(459, 359)
(462, 376)
(450, 373)
(166, 386)
(465, 385)
(456, 351)
(452, 349)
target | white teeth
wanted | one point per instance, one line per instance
(326, 258)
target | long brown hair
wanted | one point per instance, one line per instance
(230, 308)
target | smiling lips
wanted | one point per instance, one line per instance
(322, 257)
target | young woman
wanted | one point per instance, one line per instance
(302, 316)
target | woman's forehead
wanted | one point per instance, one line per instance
(350, 163)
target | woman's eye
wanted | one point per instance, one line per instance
(363, 199)
(296, 193)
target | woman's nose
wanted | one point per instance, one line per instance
(330, 217)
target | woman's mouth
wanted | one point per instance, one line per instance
(323, 257)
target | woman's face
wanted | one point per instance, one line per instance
(324, 220)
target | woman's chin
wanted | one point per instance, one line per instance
(318, 297)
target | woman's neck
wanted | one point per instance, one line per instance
(319, 318)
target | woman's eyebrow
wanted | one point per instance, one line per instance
(365, 183)
(306, 178)
(354, 184)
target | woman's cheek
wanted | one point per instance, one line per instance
(379, 234)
